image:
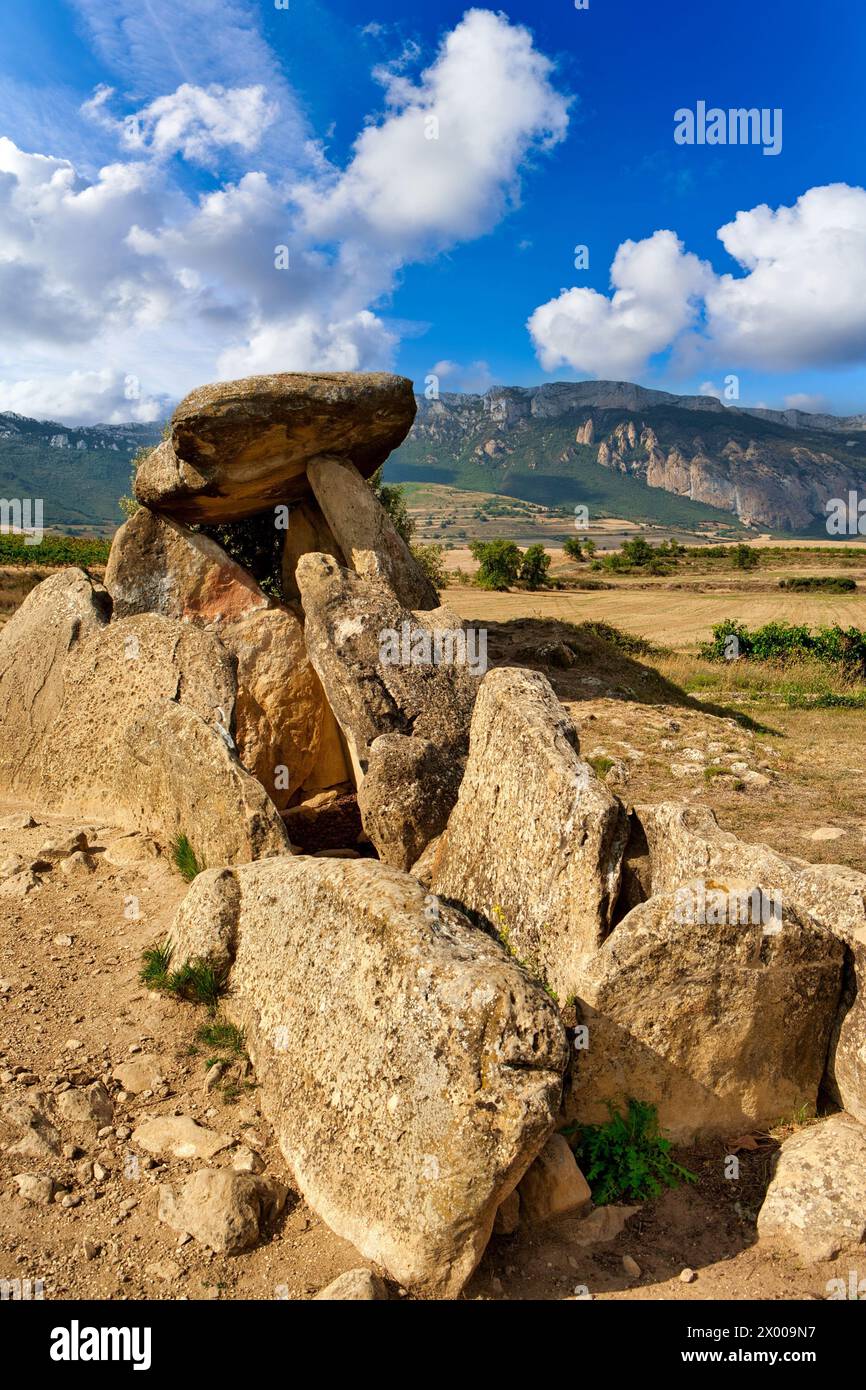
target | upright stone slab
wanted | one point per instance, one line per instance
(535, 841)
(35, 645)
(160, 566)
(378, 686)
(307, 533)
(409, 1067)
(365, 532)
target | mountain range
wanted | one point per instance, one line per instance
(615, 447)
(645, 455)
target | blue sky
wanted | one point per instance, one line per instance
(154, 154)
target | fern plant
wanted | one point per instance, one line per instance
(626, 1159)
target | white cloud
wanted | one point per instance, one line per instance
(476, 377)
(198, 121)
(105, 397)
(656, 285)
(800, 303)
(444, 164)
(125, 272)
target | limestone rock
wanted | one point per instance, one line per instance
(816, 1202)
(508, 1215)
(719, 1025)
(239, 447)
(221, 1209)
(384, 1042)
(35, 645)
(686, 842)
(553, 1185)
(188, 781)
(34, 1187)
(141, 1073)
(180, 1136)
(365, 532)
(84, 1110)
(281, 713)
(307, 532)
(206, 921)
(535, 842)
(157, 565)
(357, 1285)
(348, 621)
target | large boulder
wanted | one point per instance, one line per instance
(350, 623)
(686, 842)
(535, 841)
(240, 447)
(719, 1020)
(815, 1206)
(188, 781)
(35, 644)
(410, 1069)
(102, 686)
(365, 533)
(281, 721)
(159, 566)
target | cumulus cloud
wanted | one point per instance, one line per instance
(104, 397)
(801, 301)
(656, 290)
(134, 271)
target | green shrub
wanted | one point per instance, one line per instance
(822, 584)
(626, 1159)
(833, 646)
(573, 548)
(429, 557)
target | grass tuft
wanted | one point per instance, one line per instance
(185, 860)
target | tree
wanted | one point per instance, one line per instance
(637, 552)
(536, 563)
(589, 546)
(744, 557)
(573, 548)
(394, 502)
(498, 563)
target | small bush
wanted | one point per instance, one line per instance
(781, 642)
(184, 858)
(820, 584)
(222, 1036)
(626, 1159)
(429, 557)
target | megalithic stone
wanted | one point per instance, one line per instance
(365, 532)
(237, 448)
